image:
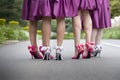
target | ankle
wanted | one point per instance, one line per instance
(89, 46)
(80, 48)
(58, 49)
(45, 49)
(99, 47)
(32, 48)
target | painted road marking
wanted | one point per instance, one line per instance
(110, 44)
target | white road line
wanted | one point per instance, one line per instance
(110, 44)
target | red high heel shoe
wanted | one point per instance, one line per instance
(89, 49)
(80, 49)
(43, 50)
(34, 53)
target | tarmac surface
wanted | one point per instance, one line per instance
(16, 63)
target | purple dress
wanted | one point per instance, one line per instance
(101, 16)
(45, 8)
(87, 4)
(35, 9)
(65, 8)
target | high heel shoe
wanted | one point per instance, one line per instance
(97, 51)
(80, 50)
(58, 52)
(46, 51)
(89, 50)
(34, 53)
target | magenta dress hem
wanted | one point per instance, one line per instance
(101, 16)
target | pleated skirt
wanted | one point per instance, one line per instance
(65, 8)
(101, 16)
(36, 9)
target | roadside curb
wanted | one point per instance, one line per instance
(8, 42)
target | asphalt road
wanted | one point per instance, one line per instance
(16, 63)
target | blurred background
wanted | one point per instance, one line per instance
(12, 27)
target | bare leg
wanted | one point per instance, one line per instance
(93, 35)
(60, 31)
(60, 37)
(97, 39)
(32, 32)
(99, 36)
(93, 39)
(46, 30)
(76, 30)
(87, 23)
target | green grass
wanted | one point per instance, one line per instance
(112, 33)
(109, 33)
(16, 33)
(11, 33)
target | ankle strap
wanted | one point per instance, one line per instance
(90, 43)
(79, 46)
(59, 47)
(99, 46)
(32, 48)
(44, 48)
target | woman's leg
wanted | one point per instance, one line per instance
(93, 39)
(60, 31)
(46, 30)
(76, 22)
(99, 36)
(87, 23)
(32, 32)
(33, 49)
(60, 37)
(93, 35)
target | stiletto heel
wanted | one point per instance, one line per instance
(42, 49)
(98, 51)
(89, 50)
(80, 49)
(58, 56)
(46, 51)
(58, 52)
(99, 54)
(34, 53)
(47, 56)
(32, 56)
